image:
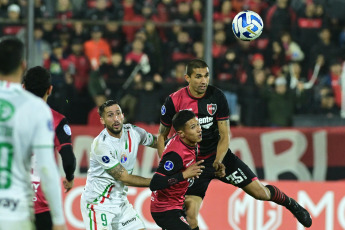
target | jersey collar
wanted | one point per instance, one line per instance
(190, 94)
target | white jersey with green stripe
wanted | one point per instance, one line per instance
(107, 152)
(26, 128)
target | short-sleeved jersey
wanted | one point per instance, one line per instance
(209, 109)
(62, 137)
(25, 124)
(176, 157)
(106, 153)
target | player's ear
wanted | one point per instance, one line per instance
(181, 133)
(102, 120)
(187, 78)
(49, 90)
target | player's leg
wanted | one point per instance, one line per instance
(94, 217)
(129, 219)
(242, 176)
(43, 221)
(171, 220)
(196, 192)
(193, 204)
(271, 193)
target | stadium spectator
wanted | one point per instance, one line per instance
(115, 37)
(96, 48)
(13, 25)
(280, 17)
(252, 103)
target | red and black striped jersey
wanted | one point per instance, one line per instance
(209, 109)
(176, 157)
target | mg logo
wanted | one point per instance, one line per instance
(246, 213)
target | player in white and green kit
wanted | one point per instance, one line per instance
(104, 203)
(26, 128)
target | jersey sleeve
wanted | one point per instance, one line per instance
(43, 149)
(168, 172)
(167, 112)
(146, 138)
(103, 155)
(63, 134)
(223, 112)
(44, 128)
(170, 164)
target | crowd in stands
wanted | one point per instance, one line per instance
(136, 51)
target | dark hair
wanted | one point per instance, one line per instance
(105, 105)
(196, 63)
(179, 120)
(37, 80)
(11, 54)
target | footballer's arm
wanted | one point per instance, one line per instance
(161, 138)
(222, 147)
(118, 172)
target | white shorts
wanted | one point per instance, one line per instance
(122, 217)
(17, 225)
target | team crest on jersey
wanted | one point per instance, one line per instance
(123, 158)
(105, 159)
(211, 109)
(168, 165)
(163, 110)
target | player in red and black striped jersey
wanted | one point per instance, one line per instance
(210, 106)
(169, 184)
(37, 80)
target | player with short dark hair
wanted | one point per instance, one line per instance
(37, 80)
(169, 184)
(104, 203)
(210, 106)
(26, 128)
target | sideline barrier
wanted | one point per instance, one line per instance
(306, 154)
(226, 207)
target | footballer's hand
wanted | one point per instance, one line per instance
(194, 170)
(59, 227)
(68, 185)
(220, 169)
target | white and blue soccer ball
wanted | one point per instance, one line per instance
(247, 25)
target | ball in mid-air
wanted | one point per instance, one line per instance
(247, 25)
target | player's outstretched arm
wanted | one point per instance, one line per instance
(160, 181)
(222, 147)
(163, 133)
(121, 174)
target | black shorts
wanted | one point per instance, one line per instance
(43, 221)
(171, 220)
(237, 173)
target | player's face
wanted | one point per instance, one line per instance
(198, 81)
(113, 119)
(191, 133)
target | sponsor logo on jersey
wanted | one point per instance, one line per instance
(8, 203)
(211, 109)
(163, 110)
(6, 110)
(129, 221)
(67, 130)
(123, 158)
(206, 122)
(105, 159)
(184, 220)
(168, 165)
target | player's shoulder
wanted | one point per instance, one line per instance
(179, 93)
(57, 115)
(35, 103)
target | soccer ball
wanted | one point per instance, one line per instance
(247, 25)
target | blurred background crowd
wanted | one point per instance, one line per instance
(136, 51)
